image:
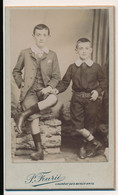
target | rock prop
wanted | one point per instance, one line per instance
(56, 131)
(50, 135)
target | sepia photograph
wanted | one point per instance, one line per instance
(74, 124)
(60, 96)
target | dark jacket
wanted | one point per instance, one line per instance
(95, 79)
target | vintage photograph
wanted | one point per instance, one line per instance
(61, 67)
(60, 85)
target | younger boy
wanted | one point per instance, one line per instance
(41, 75)
(88, 82)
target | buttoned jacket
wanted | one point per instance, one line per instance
(94, 75)
(27, 62)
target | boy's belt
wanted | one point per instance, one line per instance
(82, 94)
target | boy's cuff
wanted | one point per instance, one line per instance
(49, 87)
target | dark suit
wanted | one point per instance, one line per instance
(83, 110)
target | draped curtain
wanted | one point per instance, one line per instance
(100, 44)
(100, 36)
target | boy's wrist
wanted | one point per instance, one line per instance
(55, 91)
(49, 87)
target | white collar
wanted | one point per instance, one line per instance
(89, 62)
(37, 50)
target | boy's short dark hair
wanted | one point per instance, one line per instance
(41, 27)
(82, 40)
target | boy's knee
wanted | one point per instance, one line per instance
(53, 98)
(26, 104)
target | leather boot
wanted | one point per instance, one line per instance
(38, 155)
(82, 151)
(93, 146)
(97, 145)
(33, 109)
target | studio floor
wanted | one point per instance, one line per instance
(68, 154)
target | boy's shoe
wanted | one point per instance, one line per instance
(93, 147)
(96, 144)
(82, 152)
(91, 153)
(89, 149)
(37, 156)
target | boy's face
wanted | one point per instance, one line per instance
(84, 50)
(41, 37)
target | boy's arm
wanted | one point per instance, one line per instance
(17, 71)
(101, 80)
(56, 76)
(64, 83)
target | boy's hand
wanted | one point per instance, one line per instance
(55, 91)
(94, 95)
(46, 90)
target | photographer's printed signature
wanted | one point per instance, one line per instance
(43, 178)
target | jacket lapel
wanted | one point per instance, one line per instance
(44, 56)
(43, 63)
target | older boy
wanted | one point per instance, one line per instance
(41, 75)
(88, 82)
